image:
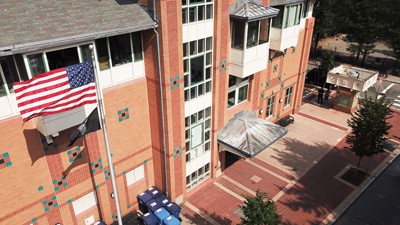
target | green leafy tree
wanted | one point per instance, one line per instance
(369, 125)
(327, 63)
(260, 210)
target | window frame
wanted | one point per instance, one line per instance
(240, 83)
(270, 106)
(288, 96)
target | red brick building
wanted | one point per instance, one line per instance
(216, 58)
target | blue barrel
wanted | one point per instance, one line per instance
(171, 220)
(161, 215)
(163, 200)
(149, 219)
(153, 205)
(142, 199)
(173, 209)
(154, 192)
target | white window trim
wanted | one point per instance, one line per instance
(239, 84)
(269, 106)
(287, 104)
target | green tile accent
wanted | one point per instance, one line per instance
(120, 120)
(69, 152)
(171, 79)
(126, 109)
(178, 77)
(65, 184)
(174, 156)
(45, 202)
(55, 145)
(180, 153)
(225, 61)
(40, 188)
(97, 186)
(46, 209)
(55, 205)
(145, 161)
(55, 181)
(34, 220)
(8, 163)
(5, 155)
(123, 172)
(171, 87)
(128, 206)
(178, 85)
(69, 201)
(53, 198)
(56, 188)
(119, 112)
(45, 149)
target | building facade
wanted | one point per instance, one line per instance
(214, 59)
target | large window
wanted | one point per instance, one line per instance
(197, 64)
(135, 175)
(257, 33)
(196, 10)
(238, 28)
(84, 203)
(270, 106)
(288, 98)
(62, 58)
(197, 176)
(10, 73)
(36, 64)
(289, 15)
(197, 134)
(238, 90)
(120, 47)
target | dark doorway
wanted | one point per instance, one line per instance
(230, 159)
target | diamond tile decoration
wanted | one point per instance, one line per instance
(123, 114)
(174, 82)
(177, 151)
(5, 160)
(223, 66)
(50, 203)
(96, 166)
(59, 183)
(74, 153)
(275, 68)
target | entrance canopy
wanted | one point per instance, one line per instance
(246, 135)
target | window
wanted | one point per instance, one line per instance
(288, 98)
(62, 58)
(197, 134)
(197, 64)
(120, 47)
(196, 10)
(238, 90)
(270, 106)
(197, 176)
(252, 34)
(102, 54)
(84, 203)
(289, 15)
(36, 64)
(137, 46)
(8, 75)
(86, 54)
(264, 31)
(238, 34)
(135, 175)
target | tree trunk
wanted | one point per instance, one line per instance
(359, 161)
(364, 56)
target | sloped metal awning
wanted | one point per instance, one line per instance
(246, 135)
(249, 11)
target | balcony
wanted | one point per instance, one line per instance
(287, 25)
(250, 27)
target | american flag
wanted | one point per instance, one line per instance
(56, 91)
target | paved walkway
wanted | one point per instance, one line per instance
(300, 172)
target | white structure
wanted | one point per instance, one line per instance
(352, 78)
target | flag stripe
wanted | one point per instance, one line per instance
(71, 96)
(56, 91)
(36, 84)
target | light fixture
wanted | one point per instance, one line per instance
(112, 195)
(280, 100)
(261, 111)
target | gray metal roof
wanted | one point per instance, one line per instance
(283, 2)
(34, 24)
(248, 135)
(251, 10)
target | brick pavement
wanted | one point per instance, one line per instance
(307, 196)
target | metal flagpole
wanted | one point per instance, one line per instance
(103, 125)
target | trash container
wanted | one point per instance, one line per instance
(154, 192)
(149, 219)
(142, 199)
(173, 209)
(161, 214)
(172, 220)
(152, 205)
(163, 200)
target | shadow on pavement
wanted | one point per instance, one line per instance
(198, 220)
